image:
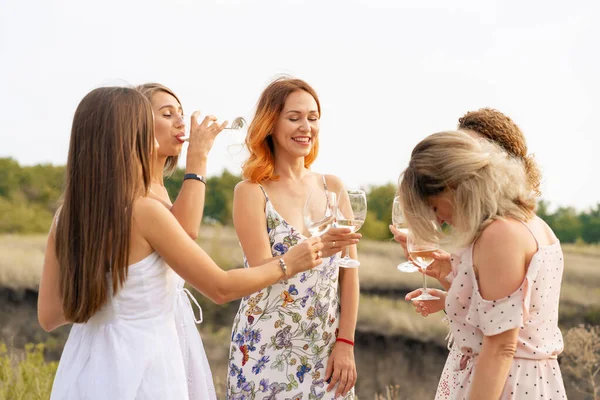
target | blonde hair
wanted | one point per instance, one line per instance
(484, 183)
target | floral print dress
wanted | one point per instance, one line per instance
(282, 335)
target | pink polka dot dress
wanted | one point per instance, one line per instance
(533, 308)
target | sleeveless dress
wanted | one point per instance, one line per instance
(130, 349)
(282, 335)
(197, 371)
(533, 307)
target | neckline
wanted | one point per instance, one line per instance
(283, 220)
(154, 253)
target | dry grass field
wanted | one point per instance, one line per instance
(395, 341)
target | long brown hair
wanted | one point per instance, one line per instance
(109, 165)
(500, 129)
(260, 165)
(148, 90)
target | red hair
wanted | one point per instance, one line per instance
(260, 166)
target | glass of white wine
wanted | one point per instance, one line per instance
(421, 253)
(399, 223)
(319, 212)
(350, 213)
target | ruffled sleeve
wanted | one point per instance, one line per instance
(493, 317)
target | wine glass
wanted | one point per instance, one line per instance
(421, 253)
(350, 213)
(399, 223)
(319, 212)
(238, 123)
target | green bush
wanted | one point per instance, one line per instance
(26, 377)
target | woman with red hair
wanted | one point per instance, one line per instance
(293, 339)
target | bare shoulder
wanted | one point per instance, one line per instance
(247, 188)
(499, 258)
(500, 232)
(148, 209)
(334, 183)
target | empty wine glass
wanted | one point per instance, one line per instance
(421, 253)
(350, 213)
(319, 212)
(399, 223)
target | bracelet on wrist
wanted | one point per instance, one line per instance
(195, 177)
(284, 269)
(350, 342)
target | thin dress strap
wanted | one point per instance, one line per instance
(264, 191)
(325, 183)
(532, 234)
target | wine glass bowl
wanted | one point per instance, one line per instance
(421, 252)
(319, 212)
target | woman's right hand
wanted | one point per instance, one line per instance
(304, 256)
(428, 306)
(335, 239)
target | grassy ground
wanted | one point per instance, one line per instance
(392, 334)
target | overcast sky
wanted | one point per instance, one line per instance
(388, 73)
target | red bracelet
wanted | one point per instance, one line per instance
(350, 342)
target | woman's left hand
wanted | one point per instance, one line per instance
(341, 369)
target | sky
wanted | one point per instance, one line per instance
(388, 73)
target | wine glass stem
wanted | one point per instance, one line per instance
(424, 281)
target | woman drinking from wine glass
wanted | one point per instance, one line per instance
(503, 300)
(293, 339)
(169, 129)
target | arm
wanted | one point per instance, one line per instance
(500, 260)
(164, 234)
(50, 307)
(341, 366)
(189, 205)
(250, 223)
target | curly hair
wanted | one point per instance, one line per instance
(500, 129)
(260, 165)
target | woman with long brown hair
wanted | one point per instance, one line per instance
(293, 339)
(169, 128)
(106, 267)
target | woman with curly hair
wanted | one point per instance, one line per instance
(502, 303)
(293, 339)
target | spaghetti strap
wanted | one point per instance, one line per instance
(264, 191)
(532, 234)
(325, 183)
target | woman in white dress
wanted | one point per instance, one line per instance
(105, 268)
(169, 128)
